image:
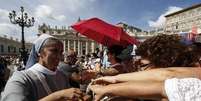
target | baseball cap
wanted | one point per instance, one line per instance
(126, 53)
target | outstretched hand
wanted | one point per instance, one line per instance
(105, 80)
(99, 92)
(71, 94)
(88, 75)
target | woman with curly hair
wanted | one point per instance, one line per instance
(168, 51)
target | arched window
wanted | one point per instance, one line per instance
(2, 48)
(14, 49)
(8, 49)
(44, 31)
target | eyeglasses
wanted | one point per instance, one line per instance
(141, 64)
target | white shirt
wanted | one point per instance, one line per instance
(187, 89)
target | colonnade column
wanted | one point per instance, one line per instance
(100, 47)
(74, 45)
(64, 46)
(86, 47)
(81, 48)
(68, 45)
(92, 47)
(78, 48)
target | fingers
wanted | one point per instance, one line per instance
(95, 88)
(96, 81)
(98, 98)
(77, 91)
(86, 98)
(88, 75)
(105, 80)
(98, 92)
(102, 81)
(76, 97)
(79, 96)
(72, 93)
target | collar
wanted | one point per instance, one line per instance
(40, 68)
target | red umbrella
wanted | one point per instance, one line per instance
(103, 32)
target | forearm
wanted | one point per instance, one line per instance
(109, 72)
(137, 90)
(159, 74)
(52, 97)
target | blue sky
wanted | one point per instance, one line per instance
(144, 14)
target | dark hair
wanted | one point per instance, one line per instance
(94, 55)
(167, 50)
(71, 59)
(115, 50)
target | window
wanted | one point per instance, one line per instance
(59, 32)
(14, 49)
(8, 49)
(176, 26)
(2, 48)
(44, 31)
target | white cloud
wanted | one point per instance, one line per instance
(3, 14)
(9, 29)
(61, 18)
(14, 31)
(52, 12)
(160, 22)
(44, 11)
(68, 5)
(31, 38)
(173, 9)
(63, 12)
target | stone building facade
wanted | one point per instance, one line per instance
(135, 32)
(11, 47)
(81, 44)
(184, 20)
(71, 39)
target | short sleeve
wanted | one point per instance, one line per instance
(187, 89)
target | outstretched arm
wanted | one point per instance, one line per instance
(159, 74)
(66, 94)
(146, 90)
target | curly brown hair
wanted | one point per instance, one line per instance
(167, 51)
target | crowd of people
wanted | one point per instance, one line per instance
(163, 67)
(169, 72)
(5, 71)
